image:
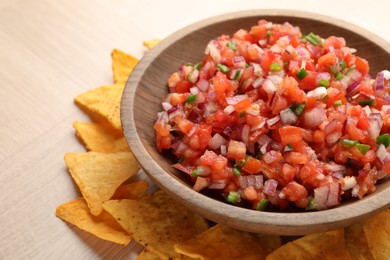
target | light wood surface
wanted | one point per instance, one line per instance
(52, 51)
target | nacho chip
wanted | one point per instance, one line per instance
(100, 137)
(377, 232)
(151, 43)
(156, 222)
(148, 255)
(103, 103)
(222, 242)
(357, 242)
(133, 191)
(98, 175)
(122, 65)
(103, 226)
(330, 245)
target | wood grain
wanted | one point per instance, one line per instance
(52, 51)
(142, 100)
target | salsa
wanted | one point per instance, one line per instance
(271, 117)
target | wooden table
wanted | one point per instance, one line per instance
(52, 51)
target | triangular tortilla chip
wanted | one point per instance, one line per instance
(100, 137)
(103, 226)
(151, 43)
(156, 222)
(133, 191)
(330, 245)
(98, 175)
(148, 255)
(103, 102)
(377, 232)
(222, 242)
(357, 242)
(122, 65)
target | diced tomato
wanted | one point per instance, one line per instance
(326, 61)
(214, 160)
(296, 158)
(242, 105)
(236, 150)
(177, 99)
(290, 134)
(162, 129)
(355, 133)
(221, 83)
(183, 86)
(362, 65)
(297, 193)
(252, 165)
(259, 32)
(309, 82)
(267, 59)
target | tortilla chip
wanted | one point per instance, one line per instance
(357, 242)
(133, 191)
(100, 137)
(151, 43)
(103, 102)
(330, 245)
(98, 175)
(377, 232)
(156, 222)
(148, 255)
(122, 65)
(222, 242)
(103, 226)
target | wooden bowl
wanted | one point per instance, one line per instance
(148, 83)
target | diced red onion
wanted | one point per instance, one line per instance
(269, 86)
(288, 116)
(263, 42)
(320, 197)
(162, 117)
(255, 181)
(264, 139)
(333, 137)
(201, 183)
(274, 199)
(174, 112)
(192, 131)
(273, 121)
(185, 169)
(386, 74)
(314, 117)
(235, 99)
(266, 148)
(245, 134)
(194, 117)
(381, 153)
(318, 93)
(353, 89)
(210, 109)
(214, 52)
(194, 90)
(258, 82)
(348, 182)
(166, 106)
(276, 79)
(290, 49)
(293, 64)
(193, 76)
(270, 157)
(257, 68)
(229, 109)
(223, 150)
(380, 81)
(216, 141)
(218, 184)
(333, 167)
(355, 75)
(331, 126)
(376, 123)
(275, 49)
(203, 171)
(212, 95)
(228, 130)
(305, 54)
(270, 187)
(179, 147)
(201, 105)
(323, 75)
(253, 112)
(203, 85)
(239, 62)
(334, 195)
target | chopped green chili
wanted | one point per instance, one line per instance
(349, 143)
(240, 163)
(197, 66)
(233, 197)
(275, 67)
(237, 74)
(384, 139)
(262, 205)
(324, 83)
(338, 103)
(312, 38)
(191, 98)
(366, 102)
(301, 74)
(236, 172)
(231, 45)
(195, 173)
(298, 108)
(311, 204)
(343, 64)
(241, 114)
(363, 148)
(338, 76)
(222, 68)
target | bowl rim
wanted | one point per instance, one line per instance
(255, 221)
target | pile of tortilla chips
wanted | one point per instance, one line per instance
(116, 207)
